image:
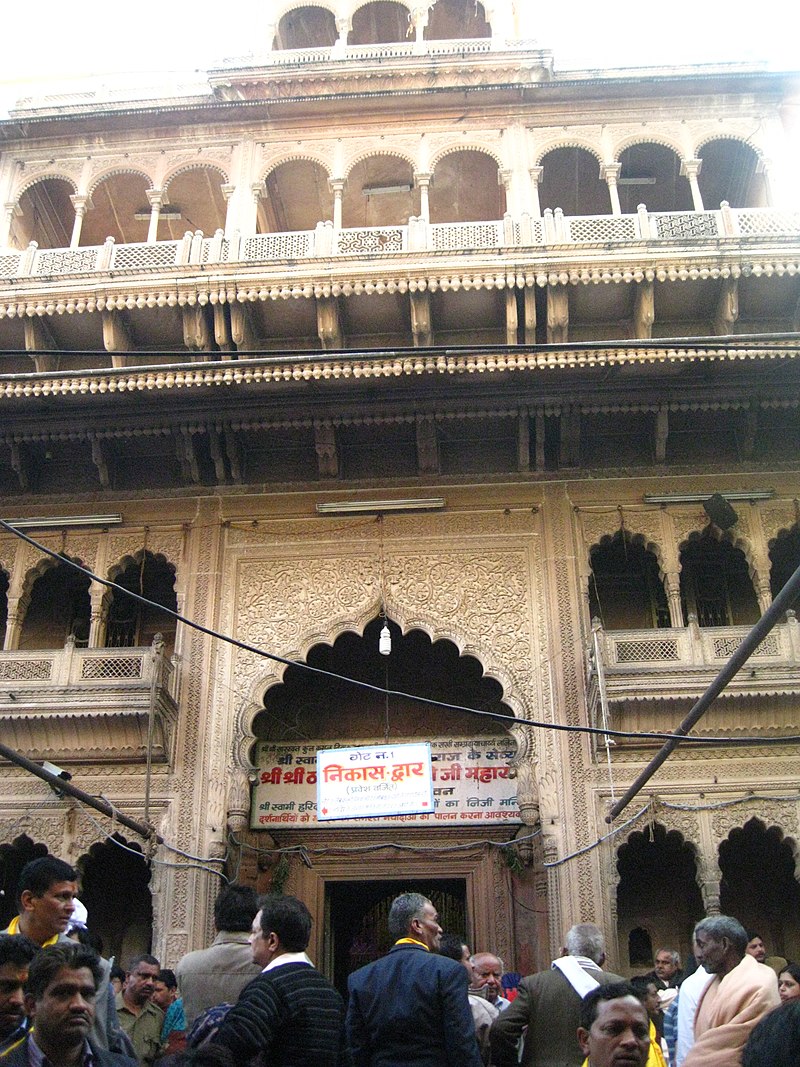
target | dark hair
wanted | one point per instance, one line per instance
(775, 1041)
(86, 937)
(791, 968)
(117, 972)
(752, 935)
(235, 908)
(143, 957)
(590, 1005)
(16, 950)
(49, 961)
(37, 876)
(287, 917)
(404, 909)
(167, 976)
(452, 946)
(641, 982)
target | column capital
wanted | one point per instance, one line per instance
(156, 197)
(82, 204)
(609, 172)
(12, 209)
(422, 177)
(504, 178)
(259, 191)
(690, 168)
(336, 185)
(536, 173)
(227, 191)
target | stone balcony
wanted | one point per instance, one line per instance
(550, 236)
(653, 677)
(88, 705)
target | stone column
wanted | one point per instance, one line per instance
(764, 167)
(709, 878)
(10, 212)
(609, 173)
(536, 176)
(672, 584)
(81, 205)
(418, 18)
(98, 595)
(157, 199)
(336, 185)
(14, 617)
(504, 178)
(690, 168)
(423, 181)
(343, 26)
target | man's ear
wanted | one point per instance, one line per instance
(26, 899)
(602, 961)
(583, 1040)
(30, 1006)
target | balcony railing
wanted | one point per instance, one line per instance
(68, 667)
(553, 230)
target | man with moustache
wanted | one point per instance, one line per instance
(613, 1029)
(60, 1000)
(16, 954)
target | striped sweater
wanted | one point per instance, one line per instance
(292, 1015)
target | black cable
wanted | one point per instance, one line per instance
(399, 694)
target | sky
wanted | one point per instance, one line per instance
(182, 38)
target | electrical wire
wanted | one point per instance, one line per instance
(650, 735)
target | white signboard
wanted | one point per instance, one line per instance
(361, 783)
(471, 778)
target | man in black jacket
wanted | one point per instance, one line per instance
(411, 1007)
(290, 1013)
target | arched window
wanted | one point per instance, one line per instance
(730, 172)
(625, 589)
(3, 606)
(784, 554)
(133, 624)
(650, 174)
(715, 583)
(306, 27)
(59, 608)
(571, 180)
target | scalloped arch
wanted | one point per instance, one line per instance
(719, 136)
(295, 5)
(568, 143)
(184, 168)
(636, 139)
(641, 824)
(273, 675)
(765, 826)
(640, 538)
(48, 175)
(468, 147)
(41, 567)
(370, 153)
(781, 532)
(134, 560)
(304, 157)
(103, 176)
(368, 3)
(742, 543)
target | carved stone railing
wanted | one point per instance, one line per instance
(551, 230)
(83, 667)
(291, 57)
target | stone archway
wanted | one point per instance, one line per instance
(115, 887)
(13, 857)
(759, 885)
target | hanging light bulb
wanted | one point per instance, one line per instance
(385, 641)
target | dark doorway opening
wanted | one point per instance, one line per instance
(356, 915)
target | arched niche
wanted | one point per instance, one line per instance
(625, 587)
(298, 196)
(465, 188)
(650, 174)
(120, 209)
(456, 20)
(571, 180)
(381, 22)
(13, 857)
(115, 887)
(132, 624)
(58, 608)
(716, 586)
(306, 27)
(759, 885)
(730, 172)
(311, 705)
(46, 215)
(784, 554)
(379, 192)
(195, 195)
(657, 891)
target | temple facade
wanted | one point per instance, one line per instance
(391, 333)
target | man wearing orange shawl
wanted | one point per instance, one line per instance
(741, 992)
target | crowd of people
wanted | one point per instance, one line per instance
(255, 997)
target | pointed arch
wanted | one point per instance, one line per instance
(57, 605)
(626, 589)
(716, 579)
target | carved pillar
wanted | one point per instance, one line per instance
(326, 449)
(10, 212)
(727, 307)
(609, 173)
(504, 178)
(758, 558)
(427, 445)
(535, 176)
(529, 300)
(343, 26)
(116, 336)
(229, 198)
(81, 205)
(690, 168)
(418, 19)
(336, 185)
(661, 433)
(672, 584)
(329, 327)
(512, 317)
(557, 314)
(99, 597)
(709, 878)
(644, 311)
(157, 199)
(764, 167)
(421, 325)
(16, 613)
(423, 180)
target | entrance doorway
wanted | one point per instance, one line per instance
(356, 914)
